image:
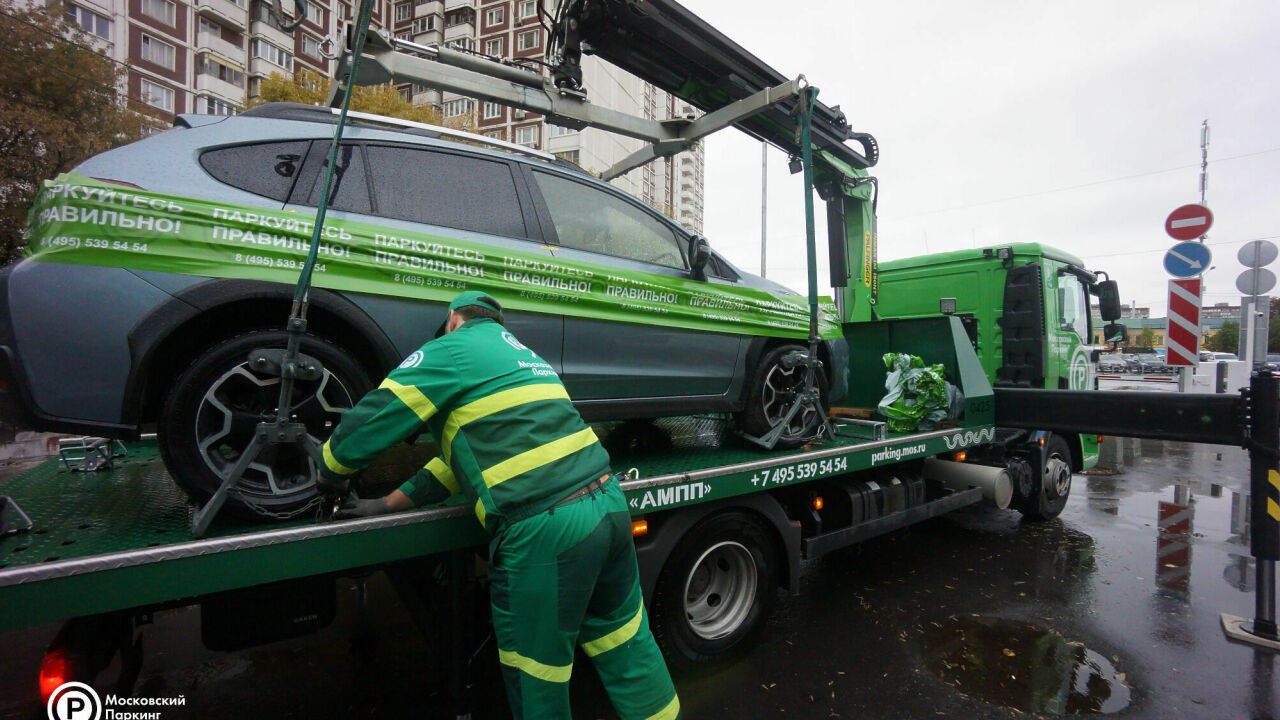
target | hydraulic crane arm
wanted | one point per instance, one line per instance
(667, 45)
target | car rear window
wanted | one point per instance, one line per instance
(447, 189)
(266, 169)
(350, 191)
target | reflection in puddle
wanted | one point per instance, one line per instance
(1025, 667)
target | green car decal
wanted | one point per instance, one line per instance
(79, 220)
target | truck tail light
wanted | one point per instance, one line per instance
(959, 456)
(55, 671)
(639, 528)
(817, 502)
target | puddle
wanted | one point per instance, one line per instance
(1025, 667)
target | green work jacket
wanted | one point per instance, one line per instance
(509, 436)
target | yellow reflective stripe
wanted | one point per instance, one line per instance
(1273, 477)
(1273, 509)
(332, 463)
(550, 673)
(412, 397)
(496, 402)
(480, 513)
(444, 474)
(669, 712)
(615, 638)
(539, 456)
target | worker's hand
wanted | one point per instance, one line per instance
(330, 487)
(354, 507)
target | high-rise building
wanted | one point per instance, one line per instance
(207, 56)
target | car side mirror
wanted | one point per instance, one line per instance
(1115, 333)
(699, 257)
(1109, 300)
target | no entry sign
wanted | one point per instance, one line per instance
(1188, 222)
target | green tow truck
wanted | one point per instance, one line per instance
(720, 524)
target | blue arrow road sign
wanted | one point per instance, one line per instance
(1187, 259)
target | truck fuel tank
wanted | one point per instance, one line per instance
(996, 484)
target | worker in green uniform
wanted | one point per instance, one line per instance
(562, 564)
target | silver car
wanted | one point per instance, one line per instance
(120, 342)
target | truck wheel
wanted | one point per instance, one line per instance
(715, 590)
(1055, 486)
(773, 387)
(213, 409)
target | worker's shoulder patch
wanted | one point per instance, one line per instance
(412, 361)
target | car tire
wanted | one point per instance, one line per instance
(210, 414)
(1052, 490)
(715, 591)
(769, 395)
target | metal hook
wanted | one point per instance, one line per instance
(328, 40)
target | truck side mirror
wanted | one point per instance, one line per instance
(699, 256)
(1115, 333)
(1109, 301)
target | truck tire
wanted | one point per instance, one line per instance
(715, 590)
(210, 414)
(1054, 488)
(772, 387)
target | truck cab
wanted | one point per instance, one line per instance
(1025, 307)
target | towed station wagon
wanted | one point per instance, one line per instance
(154, 269)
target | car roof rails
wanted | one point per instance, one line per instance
(323, 114)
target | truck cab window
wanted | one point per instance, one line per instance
(1073, 308)
(589, 219)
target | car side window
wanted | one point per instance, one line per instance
(350, 191)
(587, 218)
(447, 189)
(266, 169)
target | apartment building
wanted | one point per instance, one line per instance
(207, 56)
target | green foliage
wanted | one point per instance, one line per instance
(312, 88)
(60, 102)
(1146, 338)
(1227, 339)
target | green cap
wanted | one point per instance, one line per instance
(468, 298)
(473, 297)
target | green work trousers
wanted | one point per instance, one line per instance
(568, 576)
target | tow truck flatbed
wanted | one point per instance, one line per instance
(120, 539)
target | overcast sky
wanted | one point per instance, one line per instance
(1076, 125)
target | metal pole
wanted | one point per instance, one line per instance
(1264, 472)
(764, 200)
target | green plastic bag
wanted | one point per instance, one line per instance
(917, 396)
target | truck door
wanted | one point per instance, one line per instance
(1069, 336)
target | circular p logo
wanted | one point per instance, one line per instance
(74, 701)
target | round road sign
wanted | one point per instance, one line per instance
(1255, 281)
(1258, 253)
(1188, 222)
(1187, 259)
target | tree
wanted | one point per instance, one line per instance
(1273, 327)
(312, 88)
(1227, 339)
(60, 102)
(1146, 338)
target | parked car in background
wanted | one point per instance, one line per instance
(160, 265)
(1153, 365)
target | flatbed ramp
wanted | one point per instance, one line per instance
(118, 539)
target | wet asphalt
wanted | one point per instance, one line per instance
(974, 615)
